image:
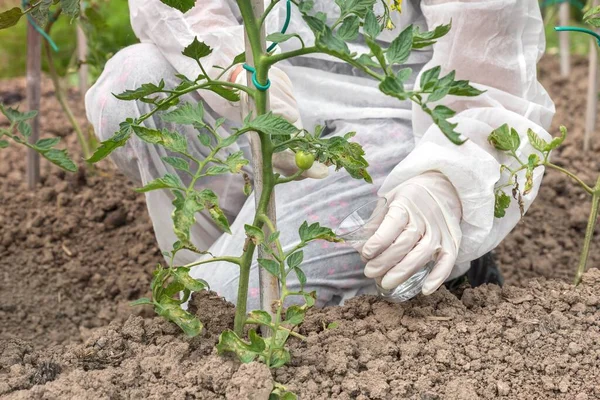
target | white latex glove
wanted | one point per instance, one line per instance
(283, 103)
(421, 225)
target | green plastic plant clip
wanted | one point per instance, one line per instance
(578, 29)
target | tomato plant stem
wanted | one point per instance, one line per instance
(589, 233)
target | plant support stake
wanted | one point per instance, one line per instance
(592, 102)
(82, 50)
(34, 72)
(269, 285)
(563, 37)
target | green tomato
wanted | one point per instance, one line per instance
(304, 160)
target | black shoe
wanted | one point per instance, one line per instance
(483, 270)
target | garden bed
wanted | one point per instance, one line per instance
(73, 254)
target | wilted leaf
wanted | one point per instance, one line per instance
(504, 138)
(261, 316)
(182, 275)
(255, 234)
(279, 358)
(532, 164)
(502, 202)
(294, 315)
(246, 352)
(171, 310)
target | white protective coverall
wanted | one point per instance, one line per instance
(493, 43)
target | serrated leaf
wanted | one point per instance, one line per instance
(182, 275)
(377, 52)
(367, 61)
(294, 315)
(25, 129)
(255, 234)
(186, 114)
(173, 141)
(400, 48)
(10, 18)
(349, 29)
(392, 87)
(294, 260)
(464, 89)
(270, 265)
(45, 144)
(197, 50)
(15, 116)
(246, 352)
(145, 90)
(430, 78)
(177, 163)
(72, 8)
(306, 6)
(316, 232)
(371, 26)
(169, 181)
(301, 277)
(272, 125)
(425, 39)
(358, 7)
(438, 94)
(181, 5)
(186, 207)
(537, 142)
(332, 44)
(171, 310)
(59, 157)
(501, 203)
(505, 138)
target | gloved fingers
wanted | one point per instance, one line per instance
(394, 254)
(414, 261)
(440, 272)
(394, 222)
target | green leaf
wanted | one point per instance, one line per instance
(272, 125)
(142, 301)
(15, 116)
(181, 5)
(429, 78)
(171, 310)
(559, 140)
(502, 202)
(537, 142)
(348, 31)
(25, 129)
(294, 260)
(219, 218)
(316, 232)
(400, 48)
(72, 8)
(227, 94)
(169, 181)
(425, 39)
(236, 161)
(464, 89)
(358, 7)
(246, 352)
(438, 94)
(255, 234)
(333, 325)
(532, 163)
(279, 357)
(10, 18)
(178, 163)
(182, 275)
(186, 114)
(306, 6)
(591, 17)
(294, 315)
(45, 144)
(143, 91)
(59, 158)
(505, 138)
(279, 37)
(391, 86)
(332, 44)
(262, 317)
(170, 140)
(310, 299)
(377, 52)
(270, 265)
(367, 61)
(197, 50)
(301, 277)
(316, 25)
(371, 26)
(3, 144)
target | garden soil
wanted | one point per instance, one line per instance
(76, 251)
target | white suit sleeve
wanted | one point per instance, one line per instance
(214, 22)
(496, 45)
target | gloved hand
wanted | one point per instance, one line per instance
(421, 225)
(283, 103)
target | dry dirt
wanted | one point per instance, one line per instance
(74, 253)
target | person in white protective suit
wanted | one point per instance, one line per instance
(440, 196)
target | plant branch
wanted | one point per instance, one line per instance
(232, 260)
(571, 175)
